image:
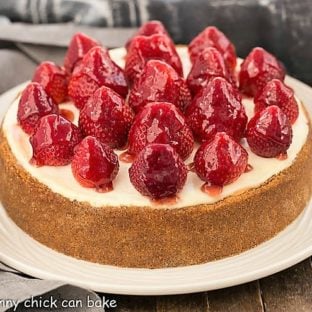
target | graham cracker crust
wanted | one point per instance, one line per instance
(155, 237)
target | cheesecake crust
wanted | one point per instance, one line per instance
(155, 237)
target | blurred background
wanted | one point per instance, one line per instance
(39, 29)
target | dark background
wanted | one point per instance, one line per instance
(283, 27)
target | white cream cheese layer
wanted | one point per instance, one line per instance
(60, 179)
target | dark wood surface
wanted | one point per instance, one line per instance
(287, 291)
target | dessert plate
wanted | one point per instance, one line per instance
(289, 247)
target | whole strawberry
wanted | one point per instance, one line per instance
(161, 122)
(144, 48)
(277, 93)
(53, 141)
(213, 37)
(207, 65)
(148, 29)
(257, 69)
(107, 117)
(34, 104)
(79, 45)
(54, 80)
(159, 82)
(269, 132)
(158, 171)
(217, 108)
(95, 165)
(96, 70)
(220, 160)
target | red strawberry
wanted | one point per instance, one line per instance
(34, 103)
(80, 88)
(161, 122)
(94, 164)
(258, 68)
(144, 48)
(207, 65)
(148, 29)
(277, 93)
(213, 37)
(269, 132)
(217, 108)
(220, 160)
(79, 45)
(96, 70)
(107, 117)
(158, 171)
(159, 82)
(54, 80)
(53, 141)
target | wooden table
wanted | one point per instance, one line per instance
(289, 291)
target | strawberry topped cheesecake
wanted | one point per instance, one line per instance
(156, 155)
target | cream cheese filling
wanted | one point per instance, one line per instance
(61, 180)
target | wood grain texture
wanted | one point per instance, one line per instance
(290, 290)
(183, 303)
(134, 303)
(241, 298)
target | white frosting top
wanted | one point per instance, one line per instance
(61, 180)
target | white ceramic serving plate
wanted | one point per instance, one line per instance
(291, 246)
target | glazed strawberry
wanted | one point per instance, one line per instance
(207, 65)
(269, 132)
(80, 88)
(107, 117)
(159, 82)
(148, 29)
(96, 70)
(213, 37)
(258, 68)
(277, 93)
(54, 80)
(144, 48)
(95, 165)
(158, 171)
(220, 160)
(34, 104)
(217, 108)
(79, 45)
(161, 122)
(53, 141)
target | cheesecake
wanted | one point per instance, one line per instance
(201, 217)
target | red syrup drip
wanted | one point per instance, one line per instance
(66, 113)
(245, 97)
(126, 157)
(166, 201)
(212, 190)
(33, 162)
(191, 167)
(105, 188)
(249, 168)
(282, 156)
